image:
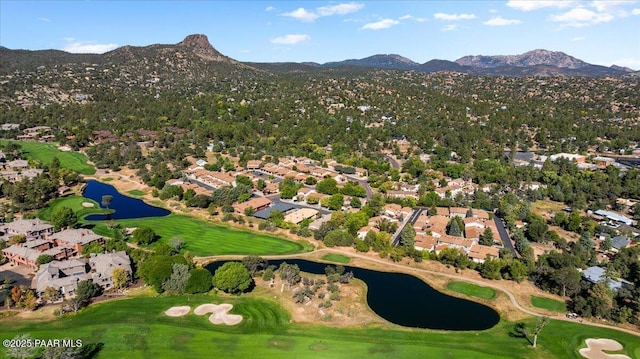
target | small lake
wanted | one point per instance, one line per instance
(125, 207)
(408, 301)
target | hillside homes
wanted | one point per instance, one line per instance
(65, 275)
(431, 233)
(41, 240)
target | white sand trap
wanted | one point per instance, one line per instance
(87, 204)
(219, 313)
(595, 349)
(178, 311)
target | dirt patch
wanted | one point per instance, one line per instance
(596, 347)
(87, 204)
(219, 313)
(350, 310)
(178, 311)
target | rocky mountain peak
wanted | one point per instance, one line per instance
(196, 41)
(200, 45)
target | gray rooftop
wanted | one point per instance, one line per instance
(76, 236)
(620, 242)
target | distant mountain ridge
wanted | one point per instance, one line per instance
(196, 50)
(531, 58)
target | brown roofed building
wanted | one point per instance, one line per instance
(478, 253)
(257, 203)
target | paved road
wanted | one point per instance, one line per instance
(392, 161)
(504, 236)
(364, 183)
(410, 219)
(404, 269)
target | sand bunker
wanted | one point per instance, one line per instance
(595, 349)
(219, 313)
(87, 204)
(178, 311)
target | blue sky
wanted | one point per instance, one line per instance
(601, 32)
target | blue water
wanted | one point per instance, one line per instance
(125, 207)
(408, 301)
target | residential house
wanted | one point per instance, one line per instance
(102, 266)
(75, 239)
(402, 194)
(30, 228)
(20, 255)
(597, 274)
(257, 203)
(254, 164)
(362, 232)
(424, 242)
(300, 215)
(61, 275)
(479, 253)
(619, 242)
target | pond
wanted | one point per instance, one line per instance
(125, 207)
(408, 301)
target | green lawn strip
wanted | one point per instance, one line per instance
(44, 152)
(332, 257)
(549, 304)
(136, 192)
(472, 290)
(73, 202)
(137, 328)
(205, 239)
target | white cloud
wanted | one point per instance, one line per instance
(44, 19)
(635, 12)
(340, 9)
(290, 39)
(305, 15)
(579, 38)
(302, 14)
(87, 47)
(493, 11)
(581, 17)
(270, 8)
(410, 17)
(453, 17)
(500, 21)
(382, 24)
(529, 5)
(610, 5)
(450, 27)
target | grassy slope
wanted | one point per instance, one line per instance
(73, 202)
(44, 152)
(136, 328)
(549, 304)
(206, 239)
(336, 258)
(472, 290)
(203, 238)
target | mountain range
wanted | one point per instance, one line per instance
(533, 63)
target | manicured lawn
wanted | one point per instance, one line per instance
(549, 304)
(332, 257)
(137, 328)
(472, 290)
(73, 202)
(44, 152)
(205, 239)
(136, 192)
